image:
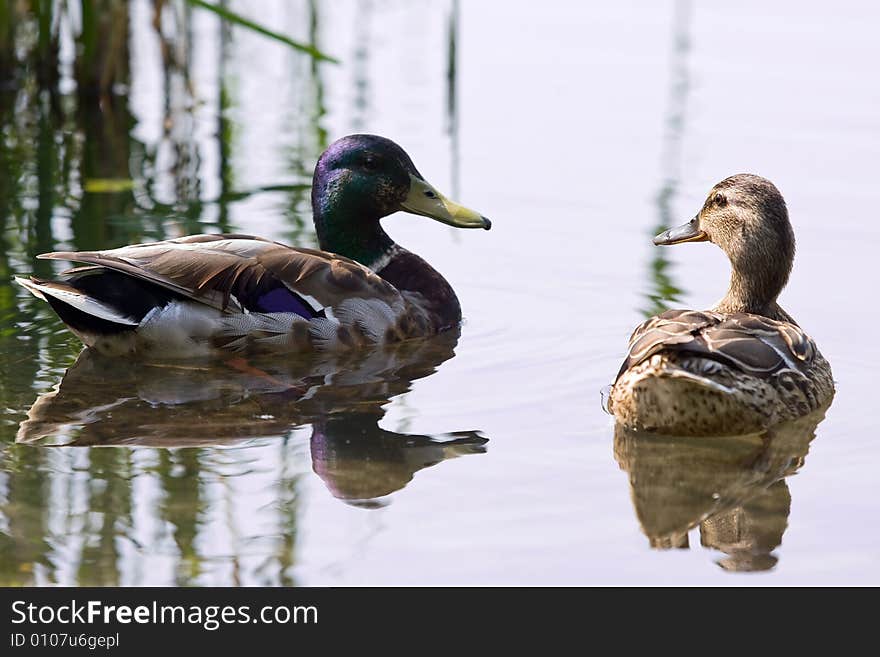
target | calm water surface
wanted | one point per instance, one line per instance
(479, 458)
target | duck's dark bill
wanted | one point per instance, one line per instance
(689, 232)
(425, 200)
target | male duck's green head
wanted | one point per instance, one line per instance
(361, 178)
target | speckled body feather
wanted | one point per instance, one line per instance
(696, 373)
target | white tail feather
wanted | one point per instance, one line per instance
(76, 299)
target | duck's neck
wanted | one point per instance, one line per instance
(364, 241)
(755, 287)
(361, 239)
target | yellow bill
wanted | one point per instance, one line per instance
(423, 199)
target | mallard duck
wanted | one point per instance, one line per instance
(744, 365)
(204, 293)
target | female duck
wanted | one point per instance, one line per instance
(203, 293)
(746, 364)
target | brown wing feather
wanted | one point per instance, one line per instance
(213, 269)
(751, 343)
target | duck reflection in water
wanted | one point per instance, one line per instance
(205, 404)
(733, 488)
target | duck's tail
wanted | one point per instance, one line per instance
(83, 313)
(691, 396)
(98, 304)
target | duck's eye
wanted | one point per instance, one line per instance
(371, 163)
(719, 200)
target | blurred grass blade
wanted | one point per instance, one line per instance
(237, 19)
(108, 185)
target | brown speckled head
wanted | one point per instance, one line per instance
(746, 216)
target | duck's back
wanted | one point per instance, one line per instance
(694, 372)
(207, 292)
